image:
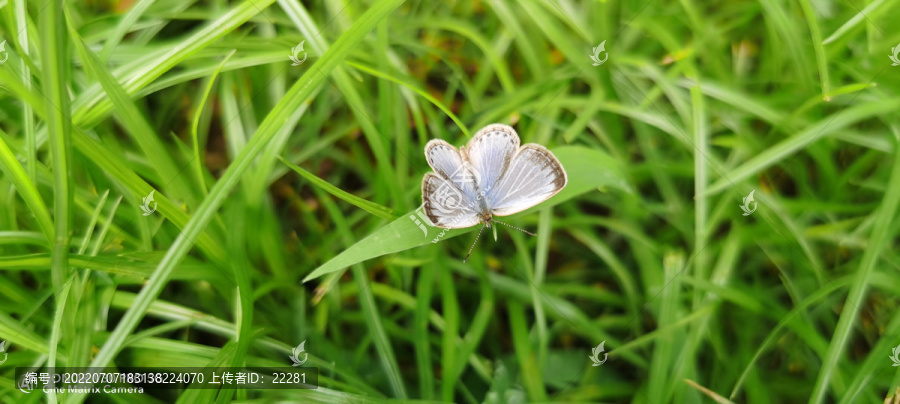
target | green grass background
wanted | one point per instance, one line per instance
(284, 195)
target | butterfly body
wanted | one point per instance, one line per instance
(486, 219)
(492, 175)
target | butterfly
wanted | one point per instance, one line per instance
(492, 175)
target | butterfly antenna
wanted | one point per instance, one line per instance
(473, 244)
(514, 227)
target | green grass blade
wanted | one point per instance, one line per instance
(773, 335)
(237, 243)
(449, 346)
(55, 65)
(371, 207)
(134, 13)
(422, 340)
(370, 311)
(198, 159)
(232, 175)
(870, 11)
(92, 106)
(531, 373)
(818, 47)
(877, 243)
(136, 124)
(582, 167)
(19, 9)
(26, 188)
(817, 131)
(411, 86)
(56, 331)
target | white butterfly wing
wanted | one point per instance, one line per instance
(447, 163)
(442, 157)
(533, 176)
(512, 178)
(445, 205)
(490, 153)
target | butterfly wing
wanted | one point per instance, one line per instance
(445, 205)
(533, 176)
(449, 165)
(490, 153)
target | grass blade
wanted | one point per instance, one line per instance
(411, 86)
(818, 47)
(195, 124)
(55, 71)
(581, 164)
(799, 141)
(371, 207)
(27, 189)
(877, 243)
(135, 123)
(232, 175)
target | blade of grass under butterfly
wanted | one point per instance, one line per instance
(582, 166)
(422, 341)
(449, 345)
(534, 382)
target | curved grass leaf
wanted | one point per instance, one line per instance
(413, 87)
(587, 170)
(371, 207)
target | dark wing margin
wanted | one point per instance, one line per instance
(445, 206)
